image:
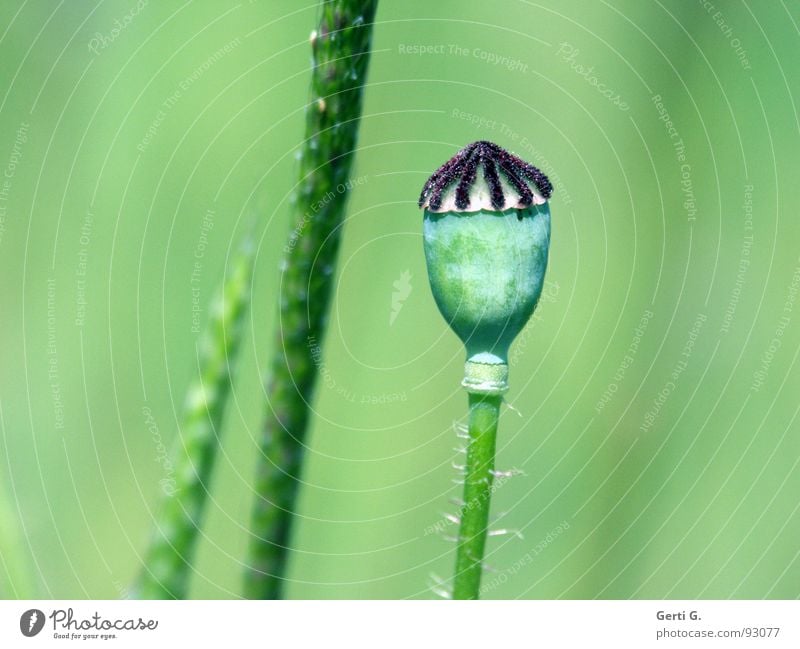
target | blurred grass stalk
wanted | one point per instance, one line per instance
(340, 49)
(168, 560)
(15, 571)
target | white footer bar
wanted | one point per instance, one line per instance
(407, 624)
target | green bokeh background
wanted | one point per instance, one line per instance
(702, 502)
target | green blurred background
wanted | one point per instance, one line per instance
(654, 395)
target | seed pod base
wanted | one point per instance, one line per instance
(486, 270)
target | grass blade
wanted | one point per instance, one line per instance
(341, 49)
(168, 561)
(15, 572)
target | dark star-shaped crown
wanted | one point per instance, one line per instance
(506, 182)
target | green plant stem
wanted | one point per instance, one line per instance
(484, 411)
(340, 48)
(168, 559)
(15, 569)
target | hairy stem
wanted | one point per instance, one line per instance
(168, 559)
(484, 411)
(340, 48)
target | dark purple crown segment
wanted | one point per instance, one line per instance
(462, 168)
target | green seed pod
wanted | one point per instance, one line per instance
(486, 236)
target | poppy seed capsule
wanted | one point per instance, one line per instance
(486, 234)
